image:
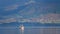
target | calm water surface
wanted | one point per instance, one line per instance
(30, 30)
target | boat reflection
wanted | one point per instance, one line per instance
(21, 29)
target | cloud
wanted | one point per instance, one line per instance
(15, 6)
(27, 11)
(11, 7)
(31, 1)
(8, 20)
(13, 18)
(48, 18)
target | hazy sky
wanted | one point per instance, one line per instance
(11, 9)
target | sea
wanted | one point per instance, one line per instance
(29, 28)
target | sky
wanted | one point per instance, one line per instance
(29, 11)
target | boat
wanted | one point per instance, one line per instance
(22, 27)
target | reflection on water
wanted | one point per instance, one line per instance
(30, 30)
(21, 31)
(42, 31)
